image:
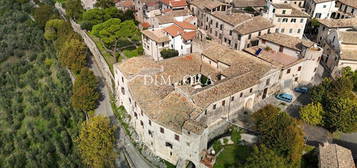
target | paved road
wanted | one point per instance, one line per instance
(105, 109)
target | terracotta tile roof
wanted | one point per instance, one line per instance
(150, 2)
(177, 13)
(210, 4)
(232, 19)
(177, 107)
(173, 30)
(287, 41)
(175, 3)
(186, 25)
(145, 25)
(352, 3)
(339, 23)
(322, 1)
(255, 24)
(165, 19)
(249, 3)
(295, 12)
(348, 37)
(126, 3)
(189, 35)
(156, 35)
(335, 156)
(276, 58)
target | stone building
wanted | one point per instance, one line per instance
(178, 105)
(346, 9)
(295, 3)
(177, 36)
(88, 4)
(335, 156)
(320, 8)
(236, 30)
(288, 19)
(298, 59)
(340, 50)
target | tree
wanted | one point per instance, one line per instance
(280, 132)
(73, 55)
(113, 29)
(85, 95)
(43, 13)
(312, 113)
(104, 3)
(96, 142)
(168, 53)
(341, 115)
(74, 8)
(96, 16)
(262, 157)
(235, 135)
(55, 28)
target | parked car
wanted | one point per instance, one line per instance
(285, 97)
(301, 89)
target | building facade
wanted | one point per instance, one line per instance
(320, 8)
(288, 19)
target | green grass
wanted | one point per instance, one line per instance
(133, 53)
(232, 154)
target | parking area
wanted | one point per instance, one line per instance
(291, 108)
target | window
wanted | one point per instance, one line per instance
(281, 48)
(251, 90)
(216, 24)
(293, 20)
(284, 11)
(142, 123)
(273, 10)
(250, 36)
(221, 27)
(223, 103)
(239, 37)
(264, 41)
(299, 68)
(288, 71)
(291, 31)
(277, 30)
(130, 100)
(296, 79)
(136, 115)
(282, 30)
(232, 98)
(269, 31)
(123, 90)
(241, 94)
(162, 130)
(214, 107)
(301, 20)
(260, 33)
(318, 15)
(285, 19)
(267, 82)
(206, 112)
(167, 144)
(324, 6)
(315, 69)
(279, 19)
(177, 138)
(299, 30)
(230, 32)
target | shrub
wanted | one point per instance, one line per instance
(169, 53)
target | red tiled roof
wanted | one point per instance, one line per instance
(175, 3)
(186, 25)
(127, 3)
(189, 35)
(174, 30)
(145, 24)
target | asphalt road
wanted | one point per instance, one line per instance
(104, 108)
